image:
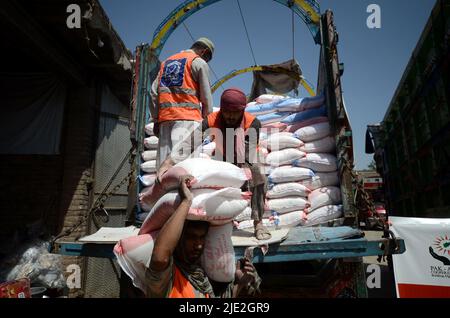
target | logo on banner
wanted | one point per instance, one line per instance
(440, 251)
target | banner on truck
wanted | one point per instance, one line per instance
(423, 271)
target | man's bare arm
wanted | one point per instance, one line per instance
(171, 232)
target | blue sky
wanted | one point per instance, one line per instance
(375, 59)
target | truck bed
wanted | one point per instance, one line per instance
(301, 244)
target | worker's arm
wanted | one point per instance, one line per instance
(171, 232)
(200, 73)
(153, 104)
(245, 276)
(166, 165)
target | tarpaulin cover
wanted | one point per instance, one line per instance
(32, 107)
(277, 82)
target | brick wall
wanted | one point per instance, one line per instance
(54, 189)
(79, 143)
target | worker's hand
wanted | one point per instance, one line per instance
(166, 165)
(245, 273)
(185, 184)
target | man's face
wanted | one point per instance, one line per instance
(232, 119)
(193, 243)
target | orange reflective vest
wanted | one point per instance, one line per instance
(215, 121)
(177, 91)
(182, 288)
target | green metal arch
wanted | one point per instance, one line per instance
(308, 10)
(235, 73)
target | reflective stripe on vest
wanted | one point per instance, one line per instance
(177, 90)
(183, 105)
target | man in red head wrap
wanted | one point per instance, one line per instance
(236, 134)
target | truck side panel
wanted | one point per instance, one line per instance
(329, 82)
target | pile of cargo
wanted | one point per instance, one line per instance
(148, 166)
(298, 155)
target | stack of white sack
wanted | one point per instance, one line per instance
(215, 206)
(320, 149)
(209, 174)
(272, 111)
(286, 199)
(323, 215)
(218, 199)
(300, 160)
(148, 164)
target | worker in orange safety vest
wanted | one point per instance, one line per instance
(181, 96)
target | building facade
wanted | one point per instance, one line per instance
(64, 131)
